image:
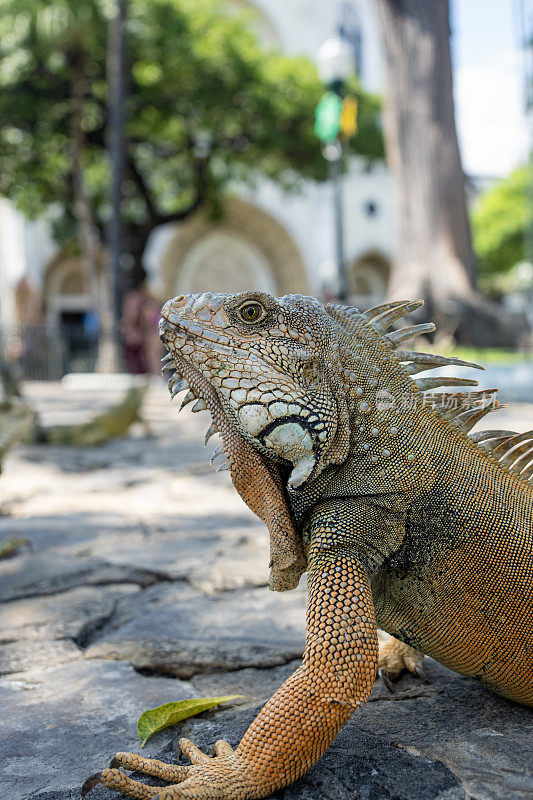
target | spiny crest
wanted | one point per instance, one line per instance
(510, 449)
(391, 313)
(462, 409)
(380, 318)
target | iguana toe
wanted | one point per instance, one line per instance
(417, 670)
(207, 778)
(394, 657)
(386, 680)
(193, 752)
(116, 779)
(172, 773)
(223, 748)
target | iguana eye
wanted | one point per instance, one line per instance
(252, 312)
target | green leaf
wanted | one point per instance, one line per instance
(501, 218)
(156, 719)
(12, 545)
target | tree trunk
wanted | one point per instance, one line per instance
(112, 313)
(88, 235)
(435, 260)
(89, 240)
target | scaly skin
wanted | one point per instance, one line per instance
(405, 521)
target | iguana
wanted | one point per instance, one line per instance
(402, 519)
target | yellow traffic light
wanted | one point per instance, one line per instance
(349, 117)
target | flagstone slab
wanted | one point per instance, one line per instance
(175, 629)
(73, 614)
(61, 725)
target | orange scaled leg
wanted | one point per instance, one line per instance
(303, 717)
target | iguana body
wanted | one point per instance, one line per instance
(406, 522)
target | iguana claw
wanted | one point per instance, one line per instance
(218, 778)
(386, 680)
(386, 677)
(90, 783)
(421, 674)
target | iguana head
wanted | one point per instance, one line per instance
(266, 360)
(295, 378)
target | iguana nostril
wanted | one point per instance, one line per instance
(172, 310)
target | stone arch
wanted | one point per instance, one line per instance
(368, 279)
(65, 287)
(246, 249)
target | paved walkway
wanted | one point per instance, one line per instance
(146, 582)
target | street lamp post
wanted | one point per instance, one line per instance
(335, 64)
(333, 154)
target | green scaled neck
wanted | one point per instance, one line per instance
(384, 415)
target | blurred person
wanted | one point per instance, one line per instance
(140, 320)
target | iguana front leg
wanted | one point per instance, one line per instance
(304, 716)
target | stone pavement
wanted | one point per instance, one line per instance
(146, 582)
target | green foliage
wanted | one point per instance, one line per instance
(501, 218)
(197, 75)
(157, 719)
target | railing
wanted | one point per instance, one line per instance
(42, 352)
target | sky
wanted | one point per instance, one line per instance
(489, 69)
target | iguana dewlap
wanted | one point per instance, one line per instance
(406, 521)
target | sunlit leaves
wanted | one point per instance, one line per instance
(146, 73)
(501, 219)
(193, 69)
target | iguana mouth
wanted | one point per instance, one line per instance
(186, 377)
(257, 481)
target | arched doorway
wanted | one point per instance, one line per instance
(71, 311)
(247, 249)
(368, 279)
(65, 289)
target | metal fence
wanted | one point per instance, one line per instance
(42, 352)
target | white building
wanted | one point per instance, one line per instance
(268, 240)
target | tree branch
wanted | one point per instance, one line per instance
(142, 187)
(200, 181)
(178, 216)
